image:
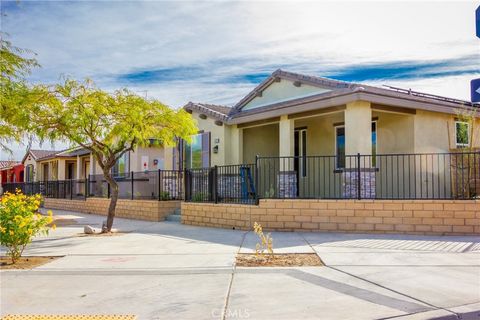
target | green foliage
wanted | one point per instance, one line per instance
(164, 195)
(20, 222)
(270, 193)
(107, 124)
(14, 91)
(199, 197)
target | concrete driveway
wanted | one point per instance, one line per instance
(171, 271)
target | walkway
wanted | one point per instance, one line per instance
(170, 271)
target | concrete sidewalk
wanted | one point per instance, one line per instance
(167, 270)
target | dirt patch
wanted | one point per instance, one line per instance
(24, 262)
(279, 260)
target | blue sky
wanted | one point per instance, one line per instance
(217, 51)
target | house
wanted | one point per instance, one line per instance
(11, 171)
(79, 163)
(309, 132)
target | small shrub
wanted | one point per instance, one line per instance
(164, 195)
(20, 222)
(266, 241)
(199, 197)
(270, 193)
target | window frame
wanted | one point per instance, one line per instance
(336, 146)
(336, 127)
(462, 145)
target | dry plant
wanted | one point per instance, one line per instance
(266, 241)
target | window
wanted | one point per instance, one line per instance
(197, 153)
(374, 144)
(300, 147)
(122, 165)
(29, 173)
(462, 134)
(340, 145)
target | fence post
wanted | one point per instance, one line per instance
(256, 180)
(57, 188)
(359, 183)
(131, 177)
(108, 189)
(186, 180)
(215, 183)
(71, 189)
(159, 184)
(86, 187)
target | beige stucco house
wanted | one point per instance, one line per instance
(79, 163)
(266, 120)
(298, 116)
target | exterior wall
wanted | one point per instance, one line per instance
(156, 152)
(435, 132)
(395, 133)
(30, 161)
(130, 209)
(436, 217)
(222, 133)
(283, 91)
(320, 133)
(263, 140)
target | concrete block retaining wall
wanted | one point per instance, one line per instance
(151, 210)
(430, 217)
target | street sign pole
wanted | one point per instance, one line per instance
(475, 83)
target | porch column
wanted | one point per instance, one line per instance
(79, 168)
(236, 145)
(92, 165)
(61, 169)
(358, 128)
(286, 136)
(287, 178)
(358, 180)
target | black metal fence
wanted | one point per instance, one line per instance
(381, 176)
(151, 185)
(387, 176)
(221, 184)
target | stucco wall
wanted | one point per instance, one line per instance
(435, 132)
(263, 140)
(282, 91)
(35, 169)
(132, 209)
(436, 217)
(156, 152)
(217, 132)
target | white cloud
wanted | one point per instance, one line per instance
(103, 40)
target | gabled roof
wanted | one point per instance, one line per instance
(7, 164)
(80, 151)
(281, 74)
(341, 93)
(216, 111)
(38, 154)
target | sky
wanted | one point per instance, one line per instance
(217, 51)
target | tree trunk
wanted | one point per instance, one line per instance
(113, 201)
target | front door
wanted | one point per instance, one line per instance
(45, 172)
(300, 149)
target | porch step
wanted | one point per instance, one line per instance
(175, 216)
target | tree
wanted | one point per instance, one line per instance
(14, 91)
(467, 131)
(106, 124)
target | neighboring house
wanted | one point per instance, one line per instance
(79, 163)
(11, 171)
